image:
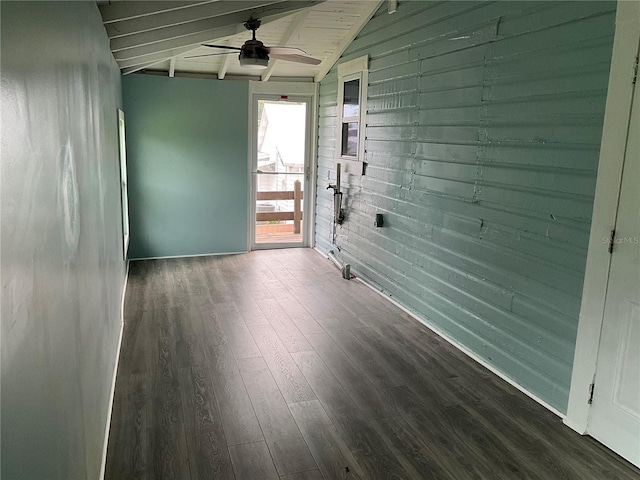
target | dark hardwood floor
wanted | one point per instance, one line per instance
(270, 365)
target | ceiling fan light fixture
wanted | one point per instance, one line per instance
(255, 63)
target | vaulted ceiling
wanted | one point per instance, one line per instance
(159, 35)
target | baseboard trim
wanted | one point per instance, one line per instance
(113, 381)
(188, 256)
(577, 427)
(463, 349)
(324, 254)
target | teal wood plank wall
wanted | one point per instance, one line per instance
(187, 159)
(482, 140)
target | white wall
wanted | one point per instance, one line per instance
(62, 262)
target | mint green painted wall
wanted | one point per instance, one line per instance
(483, 131)
(61, 240)
(187, 143)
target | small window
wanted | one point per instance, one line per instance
(351, 98)
(352, 83)
(350, 139)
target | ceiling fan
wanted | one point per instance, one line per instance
(254, 54)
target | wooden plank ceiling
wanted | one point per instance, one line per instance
(158, 36)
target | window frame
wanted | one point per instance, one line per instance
(357, 69)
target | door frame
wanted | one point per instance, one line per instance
(292, 90)
(626, 47)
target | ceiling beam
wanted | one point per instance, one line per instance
(160, 35)
(177, 47)
(293, 28)
(137, 68)
(326, 65)
(120, 11)
(181, 16)
(222, 71)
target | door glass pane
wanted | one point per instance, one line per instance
(351, 98)
(280, 172)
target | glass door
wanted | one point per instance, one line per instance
(280, 174)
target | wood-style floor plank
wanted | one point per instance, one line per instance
(355, 428)
(529, 449)
(235, 331)
(253, 461)
(480, 441)
(288, 449)
(269, 365)
(208, 457)
(208, 325)
(203, 426)
(139, 349)
(456, 450)
(327, 447)
(361, 390)
(298, 315)
(291, 337)
(247, 306)
(316, 308)
(238, 417)
(367, 359)
(310, 475)
(342, 306)
(128, 439)
(166, 404)
(385, 467)
(411, 369)
(189, 351)
(419, 354)
(292, 383)
(167, 452)
(410, 451)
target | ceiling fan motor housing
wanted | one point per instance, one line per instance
(254, 54)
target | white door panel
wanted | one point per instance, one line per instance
(615, 413)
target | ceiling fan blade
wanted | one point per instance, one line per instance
(209, 55)
(296, 58)
(285, 51)
(227, 47)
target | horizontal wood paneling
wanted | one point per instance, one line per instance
(482, 138)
